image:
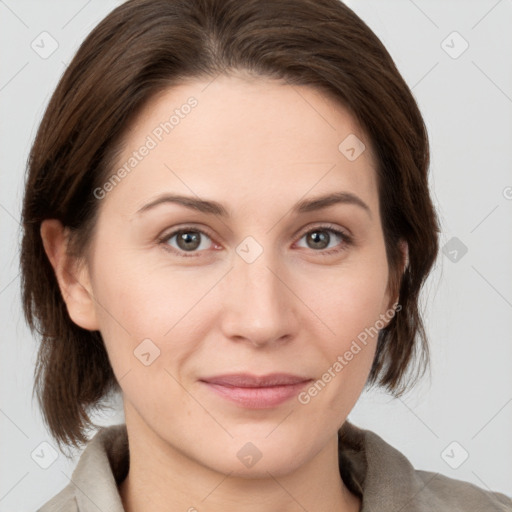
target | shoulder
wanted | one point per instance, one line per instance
(101, 467)
(387, 481)
(458, 495)
(64, 501)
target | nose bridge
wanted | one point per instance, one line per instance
(260, 306)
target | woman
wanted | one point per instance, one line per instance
(227, 220)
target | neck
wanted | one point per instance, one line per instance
(163, 478)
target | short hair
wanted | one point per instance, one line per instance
(142, 48)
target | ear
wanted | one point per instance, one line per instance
(393, 292)
(404, 247)
(73, 276)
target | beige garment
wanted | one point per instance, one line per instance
(370, 467)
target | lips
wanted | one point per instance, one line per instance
(256, 392)
(246, 380)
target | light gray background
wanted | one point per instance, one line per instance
(467, 105)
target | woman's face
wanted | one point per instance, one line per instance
(259, 282)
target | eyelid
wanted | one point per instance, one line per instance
(325, 226)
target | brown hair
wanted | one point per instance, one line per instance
(144, 47)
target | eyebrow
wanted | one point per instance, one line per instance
(215, 208)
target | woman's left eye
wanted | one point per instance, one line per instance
(191, 241)
(319, 238)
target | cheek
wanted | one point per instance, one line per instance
(133, 294)
(351, 311)
(350, 304)
(136, 303)
(352, 299)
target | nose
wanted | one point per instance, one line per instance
(258, 304)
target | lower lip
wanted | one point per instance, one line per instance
(258, 398)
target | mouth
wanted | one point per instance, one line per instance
(256, 392)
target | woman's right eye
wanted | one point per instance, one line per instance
(186, 240)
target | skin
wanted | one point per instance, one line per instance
(258, 147)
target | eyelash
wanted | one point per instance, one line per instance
(346, 240)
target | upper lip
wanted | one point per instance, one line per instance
(246, 380)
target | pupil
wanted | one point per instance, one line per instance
(320, 239)
(187, 241)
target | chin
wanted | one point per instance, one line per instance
(256, 457)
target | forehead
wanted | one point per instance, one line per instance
(243, 140)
